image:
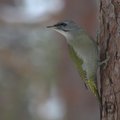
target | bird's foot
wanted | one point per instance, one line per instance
(105, 61)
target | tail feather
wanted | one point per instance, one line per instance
(93, 88)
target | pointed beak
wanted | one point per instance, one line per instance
(53, 26)
(49, 26)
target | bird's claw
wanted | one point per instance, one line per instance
(105, 61)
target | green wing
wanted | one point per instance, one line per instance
(78, 62)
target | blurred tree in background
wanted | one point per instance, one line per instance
(28, 68)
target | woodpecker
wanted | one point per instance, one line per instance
(83, 51)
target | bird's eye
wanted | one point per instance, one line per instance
(63, 24)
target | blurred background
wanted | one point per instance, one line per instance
(38, 80)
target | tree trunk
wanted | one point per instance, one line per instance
(109, 40)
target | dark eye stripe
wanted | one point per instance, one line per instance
(61, 24)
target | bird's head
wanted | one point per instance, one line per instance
(65, 27)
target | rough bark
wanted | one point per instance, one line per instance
(109, 40)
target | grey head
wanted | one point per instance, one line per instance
(65, 26)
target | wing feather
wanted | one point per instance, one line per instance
(78, 62)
